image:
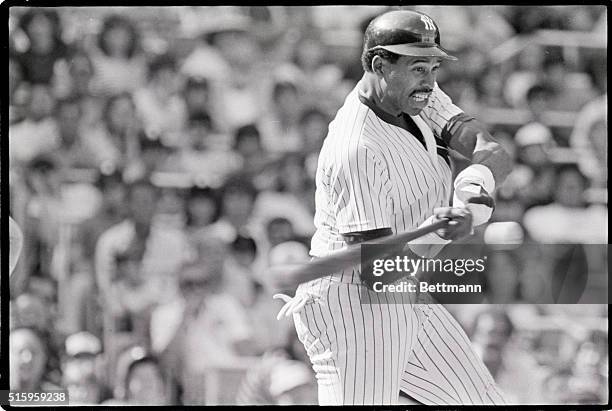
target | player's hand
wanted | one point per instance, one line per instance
(477, 200)
(292, 305)
(459, 222)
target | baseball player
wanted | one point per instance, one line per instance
(384, 168)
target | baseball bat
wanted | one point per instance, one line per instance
(287, 276)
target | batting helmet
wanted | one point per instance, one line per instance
(405, 32)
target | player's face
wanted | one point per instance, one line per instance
(410, 81)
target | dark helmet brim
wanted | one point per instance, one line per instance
(417, 50)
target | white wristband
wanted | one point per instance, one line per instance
(476, 174)
(471, 179)
(429, 245)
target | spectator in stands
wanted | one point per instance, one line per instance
(139, 380)
(492, 330)
(280, 377)
(205, 326)
(44, 212)
(199, 131)
(247, 80)
(580, 380)
(239, 279)
(279, 126)
(202, 209)
(116, 136)
(15, 76)
(291, 383)
(36, 311)
(119, 64)
(590, 140)
(568, 223)
(77, 80)
(247, 143)
(260, 307)
(153, 156)
(113, 192)
(539, 99)
(83, 389)
(17, 92)
(238, 197)
(514, 370)
(524, 76)
(313, 130)
(507, 204)
(28, 361)
(172, 201)
(531, 180)
(38, 132)
(161, 109)
(43, 30)
(321, 81)
(163, 246)
(80, 368)
(205, 60)
(81, 311)
(196, 94)
(145, 384)
(313, 125)
(490, 88)
(135, 297)
(502, 275)
(568, 218)
(291, 197)
(587, 384)
(74, 76)
(28, 311)
(206, 156)
(279, 230)
(77, 149)
(571, 90)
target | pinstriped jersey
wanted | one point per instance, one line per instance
(374, 174)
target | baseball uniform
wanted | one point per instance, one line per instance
(379, 171)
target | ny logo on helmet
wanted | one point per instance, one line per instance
(429, 24)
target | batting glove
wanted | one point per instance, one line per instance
(473, 188)
(429, 245)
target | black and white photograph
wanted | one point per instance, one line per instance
(396, 205)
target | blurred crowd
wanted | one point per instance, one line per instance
(162, 158)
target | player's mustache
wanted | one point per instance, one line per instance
(422, 90)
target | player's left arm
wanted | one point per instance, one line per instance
(491, 164)
(465, 134)
(470, 138)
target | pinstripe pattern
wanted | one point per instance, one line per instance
(364, 181)
(347, 347)
(443, 368)
(373, 174)
(439, 110)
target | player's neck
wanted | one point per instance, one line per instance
(374, 92)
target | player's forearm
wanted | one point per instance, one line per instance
(470, 137)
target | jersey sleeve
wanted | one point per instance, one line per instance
(439, 110)
(361, 193)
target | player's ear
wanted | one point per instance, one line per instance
(378, 64)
